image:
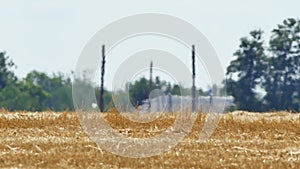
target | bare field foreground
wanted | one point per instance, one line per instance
(241, 140)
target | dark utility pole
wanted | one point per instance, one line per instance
(150, 79)
(101, 100)
(193, 76)
(169, 102)
(150, 84)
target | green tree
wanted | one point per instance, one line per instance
(176, 90)
(8, 84)
(7, 76)
(139, 91)
(245, 73)
(282, 80)
(32, 96)
(55, 92)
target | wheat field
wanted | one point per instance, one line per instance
(241, 140)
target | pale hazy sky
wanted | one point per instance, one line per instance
(49, 35)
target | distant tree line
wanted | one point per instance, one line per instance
(266, 76)
(36, 92)
(140, 89)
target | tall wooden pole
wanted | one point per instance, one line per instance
(101, 100)
(193, 76)
(150, 79)
(169, 102)
(150, 84)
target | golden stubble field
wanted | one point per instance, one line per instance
(241, 140)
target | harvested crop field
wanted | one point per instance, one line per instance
(241, 140)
